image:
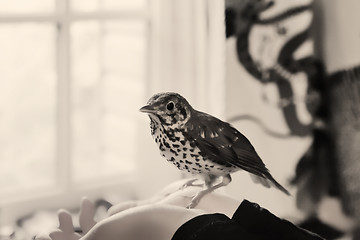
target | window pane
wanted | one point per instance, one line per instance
(107, 5)
(27, 106)
(26, 6)
(108, 82)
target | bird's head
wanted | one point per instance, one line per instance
(170, 109)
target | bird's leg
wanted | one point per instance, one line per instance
(190, 183)
(225, 181)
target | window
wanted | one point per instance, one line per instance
(73, 74)
(28, 97)
(72, 80)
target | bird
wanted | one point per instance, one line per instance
(203, 145)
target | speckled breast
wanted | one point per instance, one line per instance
(185, 155)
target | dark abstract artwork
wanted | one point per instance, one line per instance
(280, 29)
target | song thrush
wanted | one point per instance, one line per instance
(201, 144)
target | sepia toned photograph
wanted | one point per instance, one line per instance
(179, 119)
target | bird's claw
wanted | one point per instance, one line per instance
(190, 183)
(191, 205)
(194, 201)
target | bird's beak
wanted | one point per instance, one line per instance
(147, 109)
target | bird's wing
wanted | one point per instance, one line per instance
(223, 144)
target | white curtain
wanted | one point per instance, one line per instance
(188, 56)
(189, 51)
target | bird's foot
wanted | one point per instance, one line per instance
(190, 183)
(194, 202)
(196, 199)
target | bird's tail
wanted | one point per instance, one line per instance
(268, 181)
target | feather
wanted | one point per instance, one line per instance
(224, 145)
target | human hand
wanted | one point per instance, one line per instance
(154, 218)
(177, 195)
(66, 230)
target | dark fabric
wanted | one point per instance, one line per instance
(344, 125)
(315, 225)
(250, 221)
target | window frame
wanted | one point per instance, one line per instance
(206, 68)
(64, 193)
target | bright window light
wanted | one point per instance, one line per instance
(108, 79)
(26, 6)
(107, 5)
(27, 106)
(72, 78)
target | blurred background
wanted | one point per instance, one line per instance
(73, 74)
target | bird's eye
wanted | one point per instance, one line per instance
(170, 106)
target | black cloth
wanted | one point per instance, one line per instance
(250, 221)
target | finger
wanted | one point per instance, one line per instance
(42, 237)
(87, 213)
(59, 235)
(65, 220)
